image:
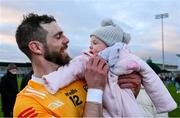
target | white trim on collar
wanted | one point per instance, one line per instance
(37, 79)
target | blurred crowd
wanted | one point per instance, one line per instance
(169, 77)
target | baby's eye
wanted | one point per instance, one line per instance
(94, 43)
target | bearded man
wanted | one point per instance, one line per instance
(43, 41)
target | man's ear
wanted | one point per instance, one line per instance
(36, 47)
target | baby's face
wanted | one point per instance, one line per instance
(96, 45)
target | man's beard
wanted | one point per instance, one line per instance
(56, 57)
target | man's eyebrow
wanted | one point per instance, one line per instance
(58, 33)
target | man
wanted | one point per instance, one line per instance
(43, 41)
(9, 89)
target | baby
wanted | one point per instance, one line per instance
(110, 43)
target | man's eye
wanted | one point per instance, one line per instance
(58, 36)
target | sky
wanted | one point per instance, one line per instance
(79, 18)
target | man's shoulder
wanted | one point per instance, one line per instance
(79, 85)
(34, 90)
(80, 82)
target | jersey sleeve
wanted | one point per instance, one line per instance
(29, 108)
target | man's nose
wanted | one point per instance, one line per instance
(65, 40)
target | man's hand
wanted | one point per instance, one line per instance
(131, 81)
(96, 73)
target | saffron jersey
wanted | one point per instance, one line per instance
(35, 101)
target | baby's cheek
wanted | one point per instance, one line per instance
(95, 52)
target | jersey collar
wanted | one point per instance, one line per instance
(37, 79)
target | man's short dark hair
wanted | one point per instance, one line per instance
(30, 29)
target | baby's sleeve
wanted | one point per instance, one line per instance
(153, 85)
(65, 74)
(156, 90)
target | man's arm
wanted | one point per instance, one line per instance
(131, 81)
(96, 77)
